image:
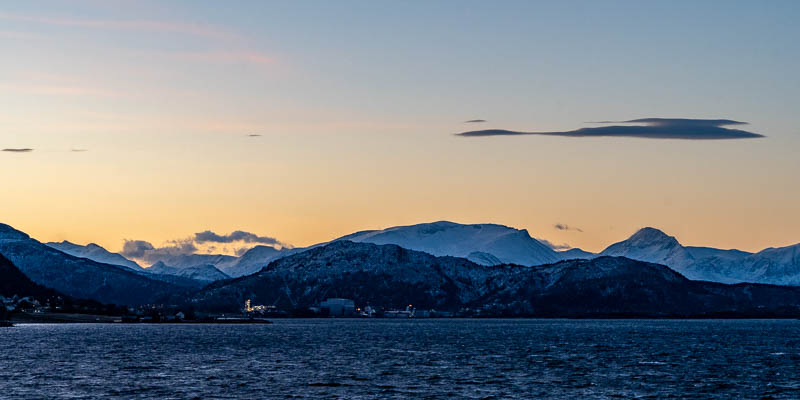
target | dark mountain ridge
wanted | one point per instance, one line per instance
(79, 277)
(389, 276)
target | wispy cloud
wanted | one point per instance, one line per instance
(565, 227)
(253, 135)
(649, 128)
(59, 90)
(136, 25)
(18, 150)
(474, 121)
(79, 150)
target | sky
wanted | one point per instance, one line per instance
(305, 121)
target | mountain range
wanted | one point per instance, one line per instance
(390, 277)
(94, 252)
(92, 272)
(203, 273)
(779, 266)
(492, 244)
(79, 277)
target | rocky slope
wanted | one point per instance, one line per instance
(79, 277)
(14, 283)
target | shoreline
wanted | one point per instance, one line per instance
(100, 319)
(65, 318)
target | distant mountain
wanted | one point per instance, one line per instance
(181, 261)
(94, 252)
(576, 253)
(389, 276)
(79, 277)
(778, 266)
(203, 273)
(483, 244)
(653, 245)
(706, 252)
(254, 259)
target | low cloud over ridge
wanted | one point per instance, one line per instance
(235, 236)
(199, 243)
(649, 128)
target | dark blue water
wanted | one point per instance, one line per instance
(355, 359)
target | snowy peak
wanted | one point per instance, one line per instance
(576, 253)
(650, 239)
(653, 245)
(94, 252)
(487, 243)
(254, 259)
(652, 236)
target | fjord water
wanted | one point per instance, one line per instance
(718, 359)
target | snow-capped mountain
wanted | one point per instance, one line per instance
(655, 246)
(181, 261)
(254, 259)
(94, 252)
(573, 254)
(484, 244)
(203, 273)
(778, 266)
(705, 252)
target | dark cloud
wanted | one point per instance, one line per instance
(143, 250)
(565, 227)
(24, 150)
(136, 248)
(235, 236)
(474, 121)
(650, 128)
(253, 135)
(554, 246)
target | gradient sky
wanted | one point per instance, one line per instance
(356, 104)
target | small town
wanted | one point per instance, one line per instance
(346, 308)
